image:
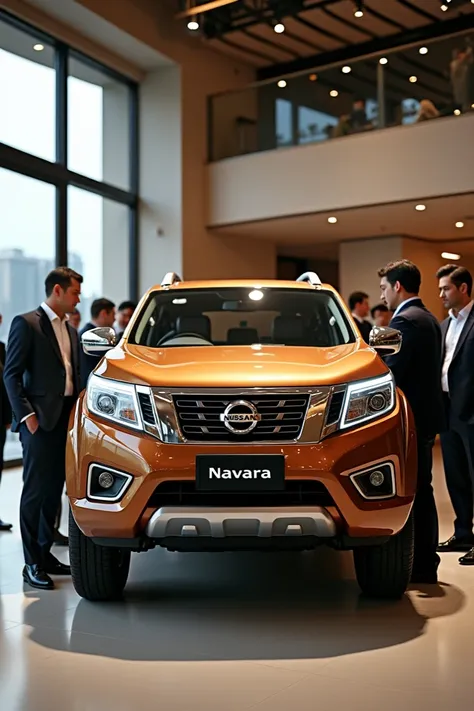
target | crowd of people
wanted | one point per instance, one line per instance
(44, 370)
(434, 370)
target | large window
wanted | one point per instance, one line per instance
(68, 181)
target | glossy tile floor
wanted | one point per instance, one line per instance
(268, 632)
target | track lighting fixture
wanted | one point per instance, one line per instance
(358, 8)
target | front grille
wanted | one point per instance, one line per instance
(146, 408)
(297, 492)
(335, 407)
(282, 417)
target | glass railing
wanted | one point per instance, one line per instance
(397, 88)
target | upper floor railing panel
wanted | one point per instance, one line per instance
(401, 87)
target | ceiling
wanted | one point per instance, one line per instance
(244, 29)
(313, 232)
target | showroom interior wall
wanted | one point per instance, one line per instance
(199, 253)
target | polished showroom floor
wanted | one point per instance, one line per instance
(232, 632)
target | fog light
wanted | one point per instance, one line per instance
(376, 478)
(106, 480)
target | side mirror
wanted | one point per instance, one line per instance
(98, 340)
(386, 341)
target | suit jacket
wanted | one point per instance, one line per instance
(35, 376)
(87, 361)
(461, 371)
(417, 367)
(365, 328)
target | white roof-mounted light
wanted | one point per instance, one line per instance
(311, 277)
(171, 278)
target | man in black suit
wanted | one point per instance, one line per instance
(360, 309)
(417, 372)
(5, 421)
(42, 380)
(124, 314)
(102, 315)
(457, 442)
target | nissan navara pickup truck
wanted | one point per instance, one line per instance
(241, 415)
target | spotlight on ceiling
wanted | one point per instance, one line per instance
(459, 225)
(450, 255)
(38, 47)
(193, 25)
(279, 28)
(420, 208)
(358, 8)
(346, 70)
(413, 80)
(313, 77)
(334, 93)
(457, 112)
(282, 83)
(332, 220)
(444, 8)
(423, 50)
(383, 60)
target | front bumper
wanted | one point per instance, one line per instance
(330, 462)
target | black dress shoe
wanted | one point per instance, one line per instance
(55, 567)
(35, 576)
(5, 526)
(467, 559)
(60, 540)
(455, 544)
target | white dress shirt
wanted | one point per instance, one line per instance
(412, 298)
(453, 334)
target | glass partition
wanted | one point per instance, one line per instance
(398, 88)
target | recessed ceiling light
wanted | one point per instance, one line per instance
(332, 220)
(413, 79)
(193, 25)
(313, 77)
(457, 112)
(359, 13)
(450, 255)
(279, 28)
(423, 50)
(282, 83)
(383, 60)
(334, 93)
(459, 224)
(420, 208)
(38, 47)
(346, 70)
(444, 8)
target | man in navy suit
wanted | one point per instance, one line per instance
(455, 285)
(42, 380)
(417, 372)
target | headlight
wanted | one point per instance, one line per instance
(114, 401)
(368, 399)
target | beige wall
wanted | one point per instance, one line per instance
(175, 149)
(359, 262)
(403, 163)
(428, 259)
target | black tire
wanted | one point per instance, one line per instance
(99, 573)
(385, 571)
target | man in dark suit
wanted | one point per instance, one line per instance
(457, 442)
(42, 380)
(5, 421)
(360, 309)
(102, 315)
(417, 372)
(124, 314)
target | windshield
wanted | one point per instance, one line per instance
(241, 317)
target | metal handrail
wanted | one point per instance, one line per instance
(171, 278)
(310, 277)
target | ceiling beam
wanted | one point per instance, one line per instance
(426, 33)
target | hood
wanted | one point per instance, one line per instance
(241, 366)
